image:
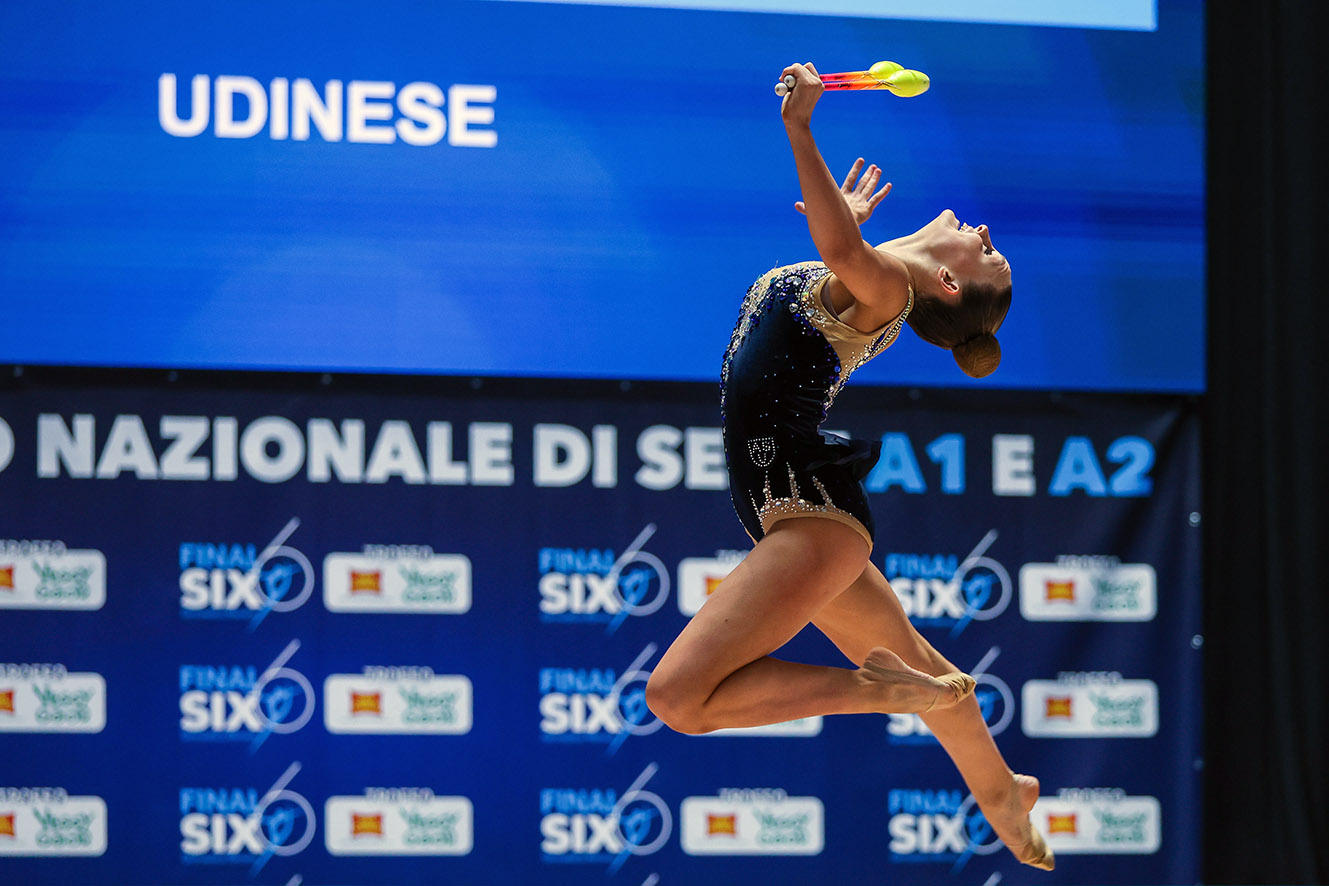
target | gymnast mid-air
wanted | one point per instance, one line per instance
(802, 331)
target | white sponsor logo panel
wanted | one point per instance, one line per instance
(48, 822)
(440, 583)
(439, 704)
(1069, 592)
(1100, 825)
(58, 579)
(1090, 709)
(51, 700)
(429, 825)
(750, 824)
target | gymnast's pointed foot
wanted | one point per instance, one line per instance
(1009, 816)
(961, 687)
(910, 691)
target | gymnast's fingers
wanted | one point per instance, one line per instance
(852, 177)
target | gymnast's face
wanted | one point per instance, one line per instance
(966, 253)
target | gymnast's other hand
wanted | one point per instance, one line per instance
(858, 192)
(796, 107)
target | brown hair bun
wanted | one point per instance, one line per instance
(979, 356)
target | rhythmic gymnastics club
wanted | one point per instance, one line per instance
(898, 79)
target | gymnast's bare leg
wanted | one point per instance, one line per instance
(718, 673)
(869, 614)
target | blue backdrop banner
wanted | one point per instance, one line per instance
(329, 635)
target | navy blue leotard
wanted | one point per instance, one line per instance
(788, 358)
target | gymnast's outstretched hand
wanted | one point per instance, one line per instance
(858, 193)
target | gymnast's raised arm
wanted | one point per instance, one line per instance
(874, 278)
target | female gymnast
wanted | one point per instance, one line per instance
(802, 331)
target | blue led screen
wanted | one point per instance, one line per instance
(502, 188)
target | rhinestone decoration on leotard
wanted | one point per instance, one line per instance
(761, 297)
(817, 315)
(771, 506)
(800, 282)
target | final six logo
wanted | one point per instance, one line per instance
(597, 704)
(236, 580)
(942, 590)
(240, 825)
(242, 702)
(944, 826)
(602, 826)
(591, 585)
